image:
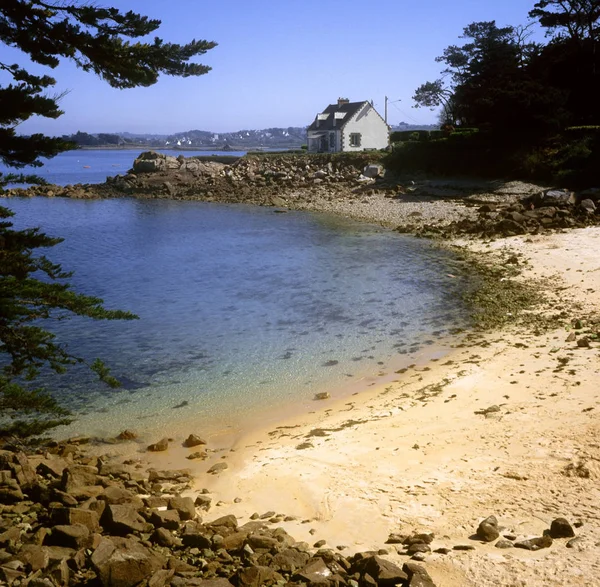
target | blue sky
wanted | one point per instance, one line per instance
(277, 64)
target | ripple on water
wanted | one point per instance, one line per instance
(238, 309)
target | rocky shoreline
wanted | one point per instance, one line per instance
(355, 185)
(68, 517)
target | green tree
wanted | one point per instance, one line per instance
(487, 82)
(33, 290)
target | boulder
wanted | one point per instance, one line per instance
(315, 573)
(588, 205)
(535, 543)
(74, 536)
(159, 446)
(193, 440)
(127, 435)
(195, 535)
(258, 577)
(121, 520)
(417, 575)
(77, 476)
(184, 506)
(121, 562)
(488, 529)
(384, 572)
(164, 537)
(52, 467)
(168, 519)
(217, 468)
(560, 528)
(290, 560)
(34, 557)
(70, 516)
(373, 171)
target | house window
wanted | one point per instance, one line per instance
(355, 139)
(331, 141)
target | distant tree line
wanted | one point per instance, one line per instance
(532, 108)
(84, 139)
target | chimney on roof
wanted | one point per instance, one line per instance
(342, 101)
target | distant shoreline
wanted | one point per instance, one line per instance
(178, 148)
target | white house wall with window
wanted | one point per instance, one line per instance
(347, 126)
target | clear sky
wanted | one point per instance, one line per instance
(277, 63)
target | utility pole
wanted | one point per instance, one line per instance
(386, 106)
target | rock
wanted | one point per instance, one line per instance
(258, 576)
(193, 440)
(588, 205)
(229, 521)
(417, 575)
(164, 537)
(159, 446)
(10, 537)
(168, 519)
(504, 544)
(52, 467)
(115, 495)
(560, 528)
(121, 562)
(553, 197)
(290, 560)
(491, 410)
(203, 502)
(418, 547)
(315, 573)
(463, 547)
(322, 395)
(169, 475)
(70, 516)
(195, 535)
(373, 171)
(424, 538)
(263, 542)
(34, 557)
(121, 520)
(184, 506)
(584, 343)
(127, 435)
(396, 539)
(571, 338)
(74, 536)
(217, 468)
(488, 529)
(77, 476)
(382, 571)
(198, 455)
(535, 543)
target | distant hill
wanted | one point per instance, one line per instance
(292, 137)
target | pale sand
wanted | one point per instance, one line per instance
(418, 458)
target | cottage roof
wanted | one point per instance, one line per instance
(340, 113)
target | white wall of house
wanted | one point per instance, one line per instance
(370, 126)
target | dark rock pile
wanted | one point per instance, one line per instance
(548, 210)
(259, 180)
(67, 518)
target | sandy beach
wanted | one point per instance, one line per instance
(505, 425)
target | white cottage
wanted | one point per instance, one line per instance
(347, 126)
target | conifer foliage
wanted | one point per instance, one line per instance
(33, 290)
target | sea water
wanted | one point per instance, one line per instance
(240, 309)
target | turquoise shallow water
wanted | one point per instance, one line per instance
(240, 308)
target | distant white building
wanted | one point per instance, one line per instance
(347, 126)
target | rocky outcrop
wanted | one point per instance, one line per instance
(545, 211)
(91, 521)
